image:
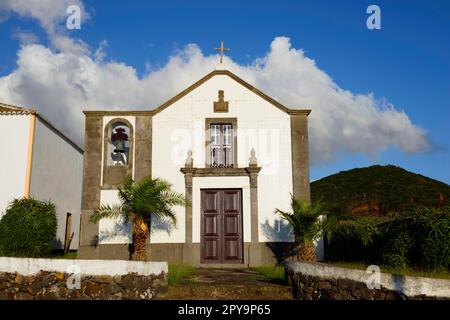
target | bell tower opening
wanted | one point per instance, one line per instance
(118, 144)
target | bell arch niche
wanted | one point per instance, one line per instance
(118, 152)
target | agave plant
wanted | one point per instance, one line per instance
(139, 201)
(307, 227)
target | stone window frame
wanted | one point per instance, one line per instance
(106, 138)
(208, 122)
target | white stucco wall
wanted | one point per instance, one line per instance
(261, 126)
(30, 266)
(56, 176)
(112, 230)
(15, 132)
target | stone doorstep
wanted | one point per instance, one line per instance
(229, 284)
(224, 266)
(227, 292)
(230, 276)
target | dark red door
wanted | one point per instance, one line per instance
(221, 230)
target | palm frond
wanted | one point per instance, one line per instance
(174, 198)
(167, 213)
(106, 211)
(143, 199)
(304, 220)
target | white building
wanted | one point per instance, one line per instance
(234, 151)
(41, 162)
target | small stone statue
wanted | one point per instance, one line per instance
(252, 160)
(189, 160)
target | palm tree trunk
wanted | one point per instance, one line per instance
(140, 234)
(306, 252)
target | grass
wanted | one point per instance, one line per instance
(437, 274)
(179, 273)
(69, 255)
(274, 273)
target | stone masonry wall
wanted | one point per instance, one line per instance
(53, 286)
(315, 281)
(53, 279)
(315, 288)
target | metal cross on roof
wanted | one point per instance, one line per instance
(221, 49)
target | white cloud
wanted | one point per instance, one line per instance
(25, 37)
(67, 78)
(49, 13)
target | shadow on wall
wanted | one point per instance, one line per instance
(279, 237)
(122, 231)
(399, 282)
(161, 224)
(118, 232)
(57, 244)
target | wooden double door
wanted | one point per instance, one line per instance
(221, 226)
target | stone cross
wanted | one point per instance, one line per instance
(221, 49)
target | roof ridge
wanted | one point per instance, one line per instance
(238, 79)
(198, 83)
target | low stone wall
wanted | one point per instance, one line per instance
(52, 279)
(317, 281)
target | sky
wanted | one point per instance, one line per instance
(377, 96)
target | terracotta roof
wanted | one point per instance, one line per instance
(200, 82)
(10, 109)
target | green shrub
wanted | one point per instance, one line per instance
(351, 237)
(420, 238)
(347, 248)
(416, 238)
(27, 228)
(397, 249)
(433, 238)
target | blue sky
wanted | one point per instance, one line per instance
(407, 62)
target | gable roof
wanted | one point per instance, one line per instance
(232, 76)
(8, 109)
(183, 93)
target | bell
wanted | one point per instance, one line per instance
(119, 146)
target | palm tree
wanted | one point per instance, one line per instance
(307, 227)
(139, 201)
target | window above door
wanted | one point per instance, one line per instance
(221, 142)
(221, 145)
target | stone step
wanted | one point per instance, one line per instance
(227, 292)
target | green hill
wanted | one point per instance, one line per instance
(385, 188)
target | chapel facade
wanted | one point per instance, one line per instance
(236, 153)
